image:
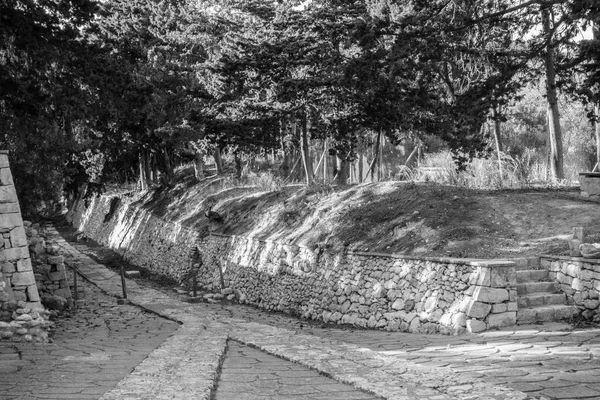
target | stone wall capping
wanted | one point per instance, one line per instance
(493, 263)
(573, 259)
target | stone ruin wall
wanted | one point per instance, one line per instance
(51, 275)
(362, 289)
(579, 279)
(22, 317)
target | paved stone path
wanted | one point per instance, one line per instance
(250, 374)
(92, 350)
(533, 362)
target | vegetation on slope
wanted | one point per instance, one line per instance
(425, 219)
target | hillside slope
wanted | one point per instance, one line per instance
(393, 217)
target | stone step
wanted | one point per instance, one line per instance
(537, 287)
(532, 275)
(546, 314)
(541, 299)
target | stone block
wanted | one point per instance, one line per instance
(490, 295)
(20, 295)
(14, 254)
(499, 308)
(5, 177)
(503, 277)
(35, 305)
(24, 265)
(10, 221)
(57, 276)
(55, 260)
(23, 278)
(483, 276)
(8, 267)
(502, 319)
(573, 270)
(8, 194)
(459, 319)
(476, 326)
(465, 304)
(9, 208)
(591, 304)
(478, 310)
(576, 284)
(446, 319)
(18, 237)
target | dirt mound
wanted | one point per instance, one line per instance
(392, 217)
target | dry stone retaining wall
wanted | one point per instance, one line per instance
(363, 289)
(371, 290)
(579, 279)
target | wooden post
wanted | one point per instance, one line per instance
(75, 292)
(123, 285)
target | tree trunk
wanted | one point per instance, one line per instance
(238, 165)
(168, 164)
(154, 167)
(342, 170)
(597, 130)
(375, 157)
(199, 165)
(305, 151)
(147, 166)
(497, 140)
(143, 178)
(360, 163)
(380, 158)
(554, 131)
(596, 31)
(218, 160)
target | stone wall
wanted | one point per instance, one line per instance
(140, 237)
(49, 270)
(22, 317)
(589, 183)
(17, 272)
(391, 292)
(384, 291)
(579, 279)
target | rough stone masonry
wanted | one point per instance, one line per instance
(22, 317)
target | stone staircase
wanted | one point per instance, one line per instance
(539, 297)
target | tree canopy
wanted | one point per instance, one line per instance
(96, 92)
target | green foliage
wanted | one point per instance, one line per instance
(86, 88)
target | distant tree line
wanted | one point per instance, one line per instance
(123, 90)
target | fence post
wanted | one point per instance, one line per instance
(75, 292)
(123, 285)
